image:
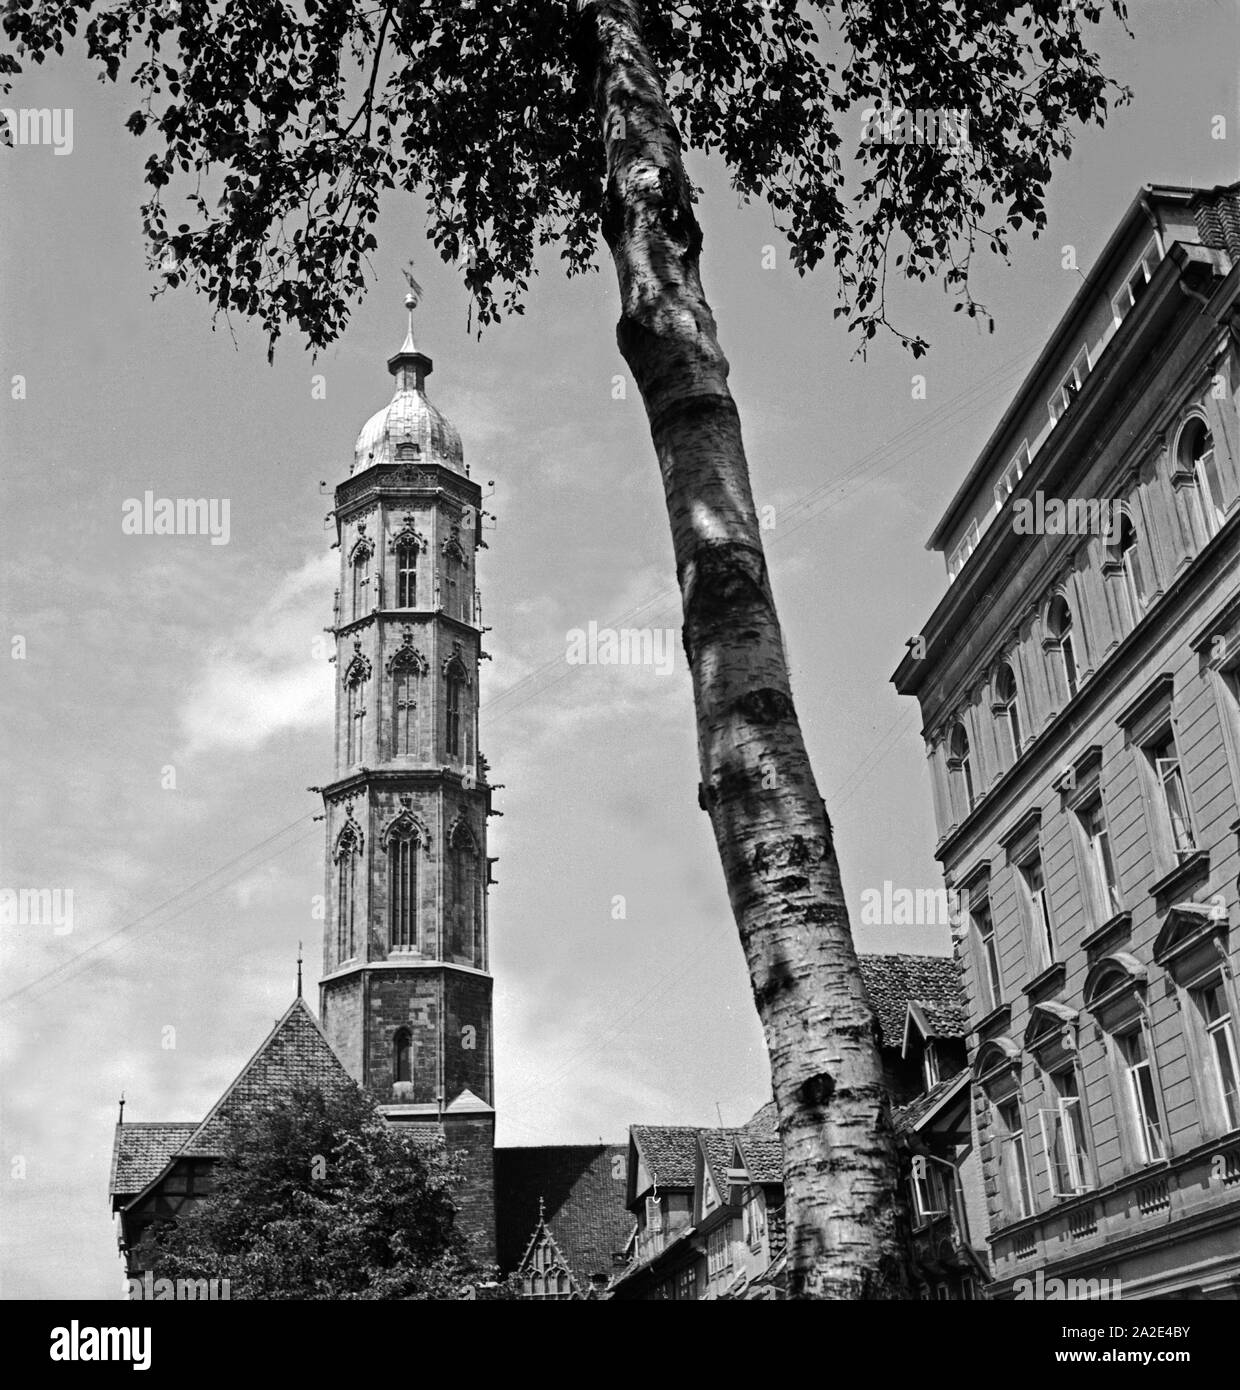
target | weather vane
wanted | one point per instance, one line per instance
(414, 297)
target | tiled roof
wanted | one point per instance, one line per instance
(582, 1189)
(764, 1158)
(906, 1117)
(896, 981)
(945, 1020)
(141, 1152)
(765, 1123)
(718, 1146)
(669, 1152)
(1217, 213)
(295, 1053)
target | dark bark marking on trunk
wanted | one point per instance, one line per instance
(766, 706)
(816, 1091)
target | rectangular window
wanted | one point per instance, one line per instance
(989, 981)
(1172, 799)
(930, 1066)
(1012, 474)
(930, 1195)
(1037, 907)
(1070, 387)
(1099, 862)
(718, 1252)
(686, 1283)
(1014, 1162)
(1142, 1097)
(754, 1221)
(654, 1215)
(1215, 1010)
(1063, 1133)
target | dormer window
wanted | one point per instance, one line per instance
(1070, 387)
(930, 1069)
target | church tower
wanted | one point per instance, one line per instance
(405, 998)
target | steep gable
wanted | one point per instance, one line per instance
(295, 1053)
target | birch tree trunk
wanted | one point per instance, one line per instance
(845, 1218)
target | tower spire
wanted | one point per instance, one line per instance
(299, 970)
(409, 366)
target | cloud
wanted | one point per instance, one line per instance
(267, 678)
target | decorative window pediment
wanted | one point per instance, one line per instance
(997, 1061)
(363, 547)
(452, 547)
(460, 835)
(358, 669)
(407, 536)
(349, 841)
(1192, 934)
(407, 657)
(455, 667)
(405, 825)
(1114, 980)
(1052, 1028)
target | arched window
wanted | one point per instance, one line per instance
(1129, 556)
(355, 719)
(464, 895)
(402, 892)
(404, 711)
(348, 847)
(402, 1055)
(455, 686)
(1006, 711)
(361, 580)
(961, 768)
(1197, 456)
(406, 575)
(1059, 624)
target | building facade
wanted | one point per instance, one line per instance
(1078, 683)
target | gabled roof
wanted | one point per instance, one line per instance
(718, 1149)
(669, 1153)
(581, 1188)
(933, 982)
(141, 1152)
(918, 1111)
(295, 1053)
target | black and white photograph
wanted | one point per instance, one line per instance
(623, 669)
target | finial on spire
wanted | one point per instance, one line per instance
(299, 970)
(120, 1119)
(412, 300)
(542, 1213)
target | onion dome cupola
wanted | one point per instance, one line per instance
(409, 429)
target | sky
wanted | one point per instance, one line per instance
(172, 706)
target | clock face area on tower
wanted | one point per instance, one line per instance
(406, 992)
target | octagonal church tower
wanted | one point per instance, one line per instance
(405, 998)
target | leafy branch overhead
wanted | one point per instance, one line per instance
(278, 127)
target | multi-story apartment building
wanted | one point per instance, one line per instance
(1079, 683)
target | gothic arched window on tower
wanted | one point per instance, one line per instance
(361, 580)
(402, 893)
(455, 687)
(348, 846)
(402, 1055)
(355, 720)
(465, 895)
(406, 576)
(404, 712)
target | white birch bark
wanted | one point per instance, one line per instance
(845, 1218)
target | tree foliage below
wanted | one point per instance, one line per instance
(318, 1197)
(277, 127)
